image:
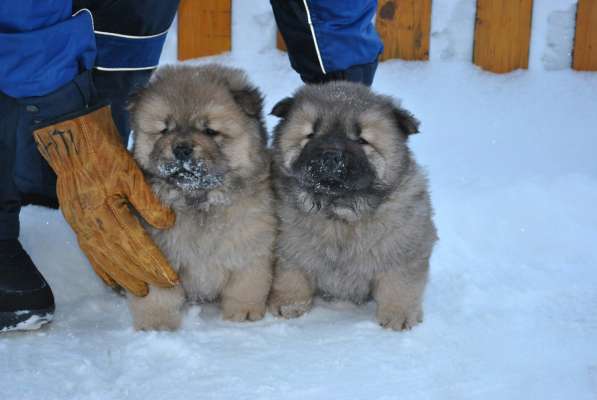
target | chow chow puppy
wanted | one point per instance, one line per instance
(354, 208)
(200, 139)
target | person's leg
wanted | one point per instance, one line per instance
(130, 36)
(10, 200)
(116, 87)
(30, 67)
(26, 300)
(330, 39)
(123, 65)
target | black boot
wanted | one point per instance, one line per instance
(26, 300)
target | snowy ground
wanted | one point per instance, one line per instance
(511, 308)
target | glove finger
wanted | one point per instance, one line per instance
(144, 200)
(146, 261)
(116, 276)
(96, 265)
(49, 149)
(66, 138)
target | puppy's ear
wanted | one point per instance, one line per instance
(406, 122)
(282, 108)
(250, 100)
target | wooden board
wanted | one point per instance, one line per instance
(502, 34)
(203, 28)
(585, 41)
(404, 27)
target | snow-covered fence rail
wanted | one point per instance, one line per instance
(501, 38)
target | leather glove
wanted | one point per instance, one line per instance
(97, 178)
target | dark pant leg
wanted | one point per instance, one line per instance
(356, 44)
(33, 176)
(292, 21)
(10, 199)
(116, 87)
(139, 18)
(363, 73)
(25, 177)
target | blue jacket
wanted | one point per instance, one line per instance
(43, 45)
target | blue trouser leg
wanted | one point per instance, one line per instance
(10, 199)
(25, 176)
(136, 18)
(362, 73)
(330, 39)
(116, 87)
(32, 173)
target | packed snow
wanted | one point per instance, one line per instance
(511, 306)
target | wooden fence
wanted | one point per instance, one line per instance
(501, 40)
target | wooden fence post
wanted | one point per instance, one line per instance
(404, 27)
(502, 34)
(203, 28)
(585, 39)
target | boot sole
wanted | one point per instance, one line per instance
(24, 320)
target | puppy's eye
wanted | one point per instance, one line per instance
(211, 132)
(311, 135)
(362, 141)
(169, 126)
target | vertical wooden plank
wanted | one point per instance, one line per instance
(502, 34)
(585, 40)
(280, 44)
(203, 28)
(404, 27)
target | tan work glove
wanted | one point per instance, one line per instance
(97, 177)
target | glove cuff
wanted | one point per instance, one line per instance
(70, 144)
(74, 115)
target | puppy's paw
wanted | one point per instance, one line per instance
(233, 310)
(288, 308)
(170, 322)
(160, 310)
(398, 319)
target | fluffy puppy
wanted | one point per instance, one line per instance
(200, 139)
(354, 209)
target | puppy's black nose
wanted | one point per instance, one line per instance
(333, 163)
(182, 151)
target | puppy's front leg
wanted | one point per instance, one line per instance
(245, 293)
(292, 293)
(399, 296)
(161, 309)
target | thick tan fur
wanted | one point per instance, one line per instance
(222, 242)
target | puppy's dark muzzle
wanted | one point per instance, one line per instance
(334, 167)
(330, 168)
